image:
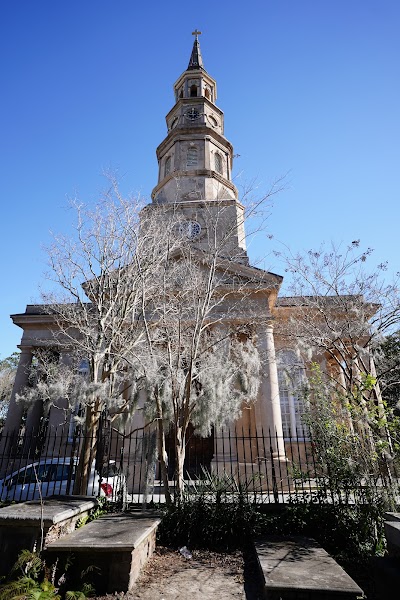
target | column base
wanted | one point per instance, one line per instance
(262, 476)
(274, 474)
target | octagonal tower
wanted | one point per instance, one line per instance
(195, 161)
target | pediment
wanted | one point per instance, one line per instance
(234, 273)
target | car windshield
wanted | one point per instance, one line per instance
(63, 472)
(32, 474)
(44, 473)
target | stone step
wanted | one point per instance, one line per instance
(297, 568)
(118, 544)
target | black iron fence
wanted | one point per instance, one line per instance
(124, 466)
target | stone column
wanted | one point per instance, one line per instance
(268, 408)
(32, 426)
(343, 390)
(33, 418)
(59, 414)
(336, 372)
(376, 388)
(15, 410)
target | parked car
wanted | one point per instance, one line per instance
(56, 476)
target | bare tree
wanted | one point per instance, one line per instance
(157, 311)
(106, 277)
(339, 311)
(202, 363)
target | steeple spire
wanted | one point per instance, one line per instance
(196, 60)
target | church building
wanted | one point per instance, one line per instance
(195, 176)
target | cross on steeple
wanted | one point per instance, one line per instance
(196, 62)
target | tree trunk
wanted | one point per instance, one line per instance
(87, 452)
(180, 452)
(162, 451)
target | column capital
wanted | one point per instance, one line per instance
(264, 326)
(25, 349)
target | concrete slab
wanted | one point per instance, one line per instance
(118, 544)
(392, 534)
(292, 565)
(391, 516)
(21, 524)
(55, 510)
(119, 532)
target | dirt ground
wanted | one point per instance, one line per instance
(206, 576)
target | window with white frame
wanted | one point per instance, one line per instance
(291, 378)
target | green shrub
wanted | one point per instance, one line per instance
(214, 513)
(205, 524)
(345, 531)
(32, 579)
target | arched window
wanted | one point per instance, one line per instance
(291, 380)
(167, 167)
(193, 91)
(218, 162)
(192, 157)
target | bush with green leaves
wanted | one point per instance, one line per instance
(352, 453)
(216, 513)
(32, 579)
(347, 532)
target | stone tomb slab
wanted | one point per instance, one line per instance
(54, 510)
(117, 544)
(21, 524)
(391, 516)
(297, 568)
(392, 534)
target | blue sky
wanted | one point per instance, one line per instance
(309, 88)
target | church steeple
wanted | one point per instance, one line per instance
(196, 60)
(195, 159)
(195, 149)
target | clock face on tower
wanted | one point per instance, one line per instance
(192, 114)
